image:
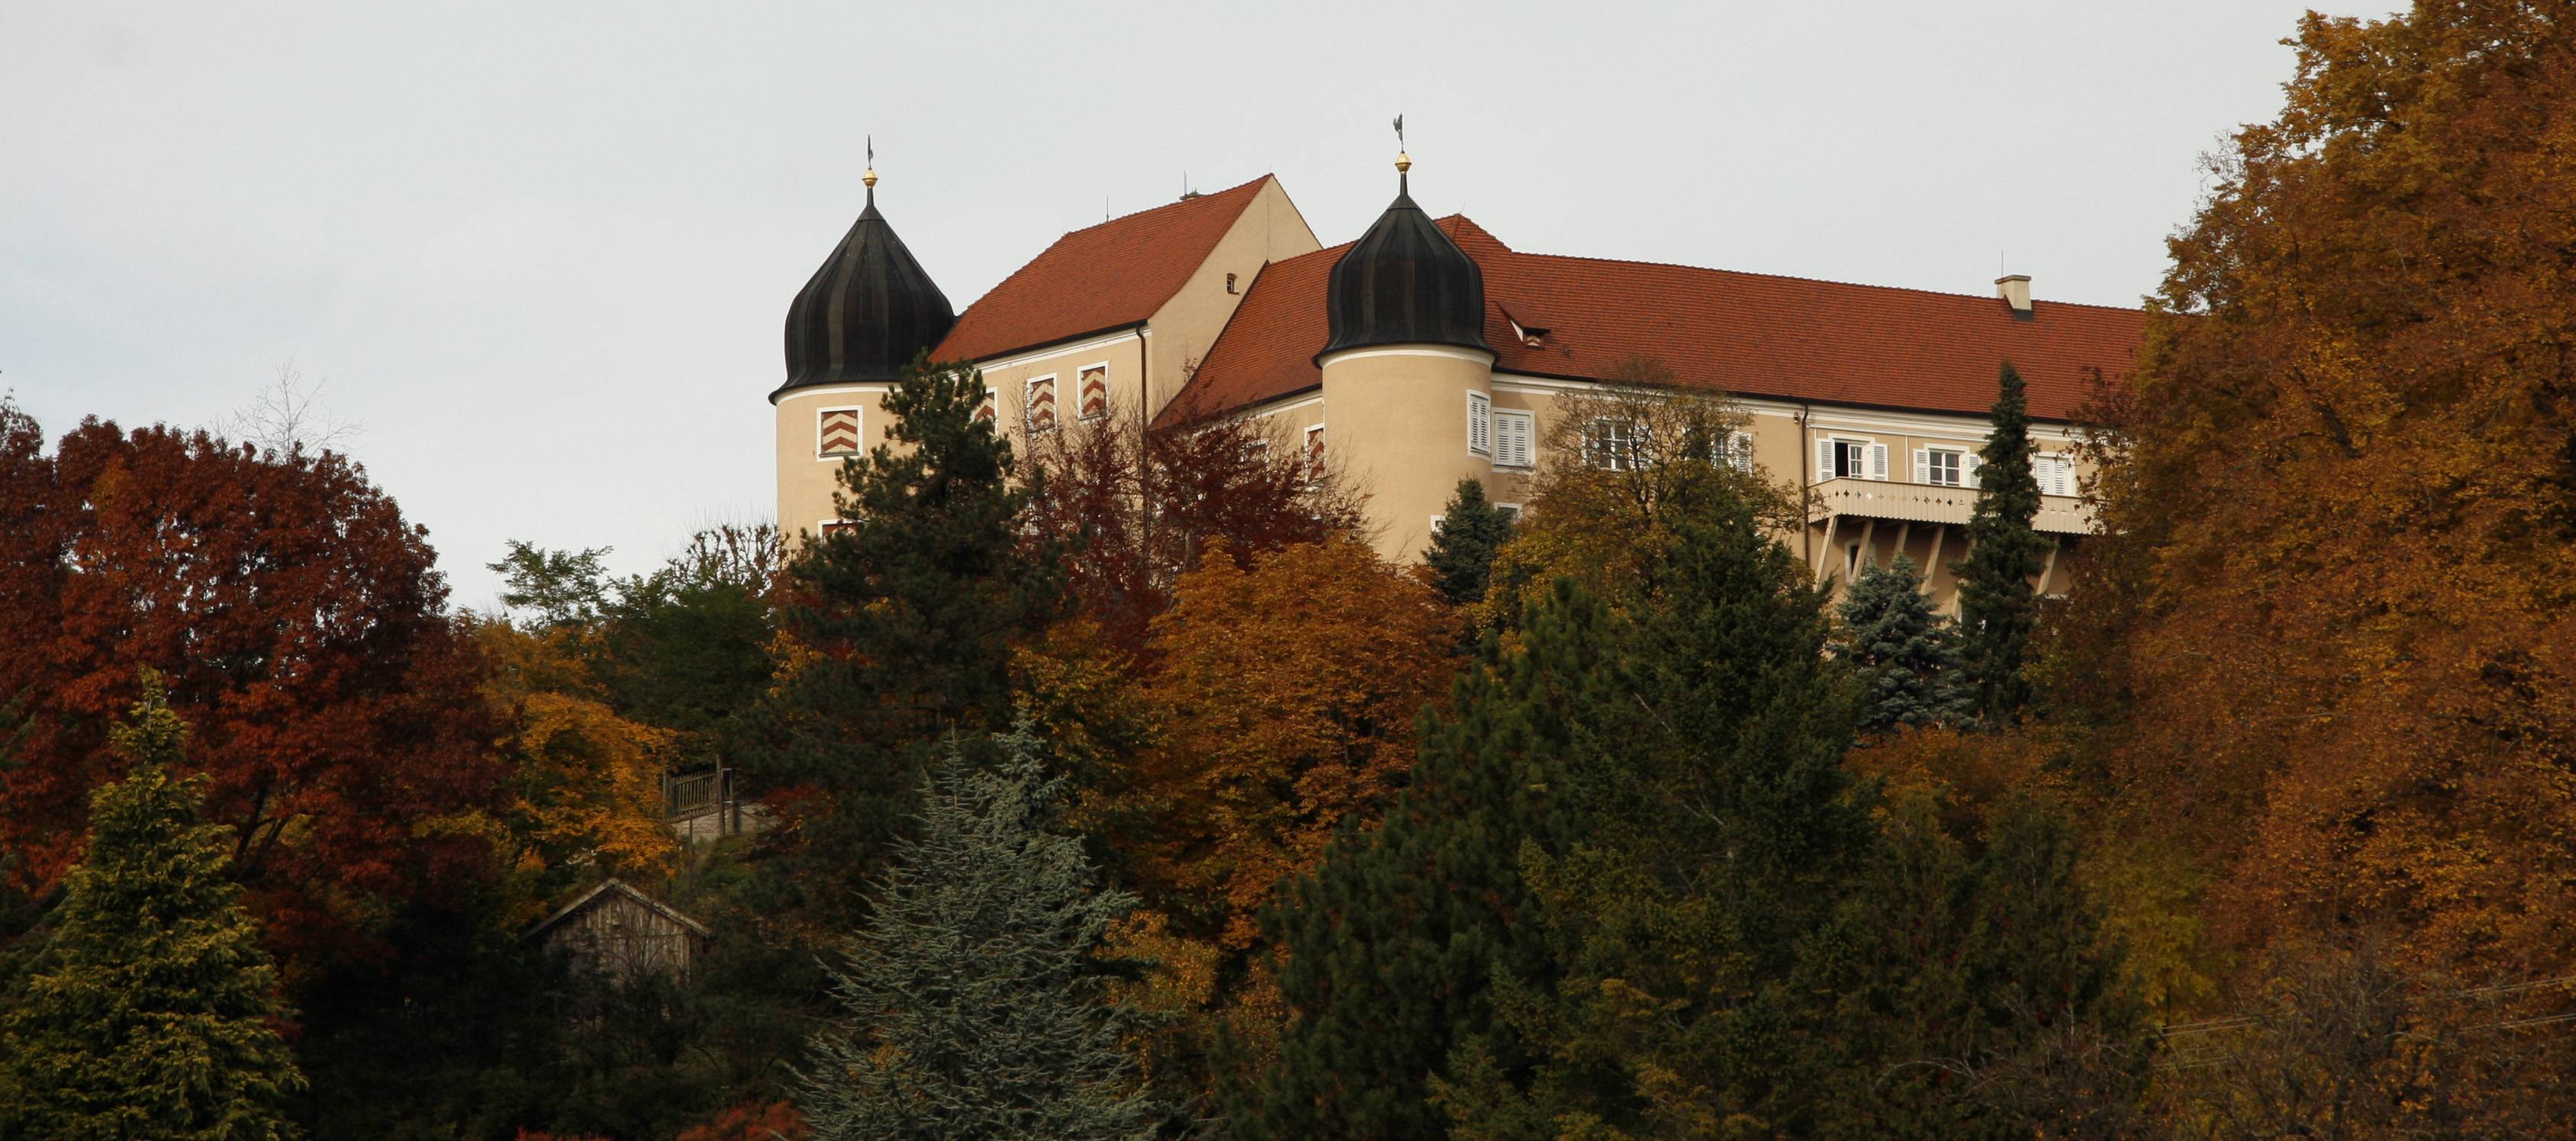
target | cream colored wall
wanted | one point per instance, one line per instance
(1009, 376)
(1269, 229)
(1396, 427)
(806, 480)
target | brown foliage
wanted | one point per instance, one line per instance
(2334, 634)
(298, 621)
(1287, 695)
(1145, 503)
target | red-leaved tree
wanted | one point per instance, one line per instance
(299, 622)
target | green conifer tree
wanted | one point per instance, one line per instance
(1685, 1001)
(152, 1011)
(1393, 942)
(971, 991)
(1997, 610)
(1907, 654)
(903, 620)
(1461, 557)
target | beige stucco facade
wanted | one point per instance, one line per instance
(1397, 424)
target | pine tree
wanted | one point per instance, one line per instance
(1997, 610)
(1462, 553)
(901, 624)
(1393, 942)
(971, 992)
(152, 1011)
(1907, 653)
(1714, 849)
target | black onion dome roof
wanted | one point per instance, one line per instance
(1405, 282)
(866, 313)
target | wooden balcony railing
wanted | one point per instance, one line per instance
(1924, 503)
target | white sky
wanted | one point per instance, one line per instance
(541, 251)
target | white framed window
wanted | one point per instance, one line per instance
(827, 527)
(1515, 439)
(1736, 451)
(986, 413)
(2055, 473)
(1614, 444)
(1480, 424)
(1940, 466)
(1095, 391)
(1848, 457)
(836, 433)
(1314, 454)
(1039, 410)
(1511, 511)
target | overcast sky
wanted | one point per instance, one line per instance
(541, 251)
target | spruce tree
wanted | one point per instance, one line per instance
(971, 992)
(1997, 609)
(1391, 945)
(1461, 557)
(1907, 654)
(152, 1010)
(1715, 847)
(901, 621)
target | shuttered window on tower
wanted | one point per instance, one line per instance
(836, 434)
(1480, 423)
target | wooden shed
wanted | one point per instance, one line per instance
(624, 933)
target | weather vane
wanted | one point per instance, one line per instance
(871, 176)
(1403, 161)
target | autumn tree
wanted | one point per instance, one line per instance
(1621, 470)
(1998, 609)
(299, 622)
(1472, 530)
(153, 1012)
(1286, 696)
(2340, 507)
(970, 998)
(585, 783)
(1144, 502)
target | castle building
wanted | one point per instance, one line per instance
(1428, 351)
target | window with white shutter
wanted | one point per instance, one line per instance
(1975, 461)
(1878, 461)
(2056, 474)
(1515, 439)
(1736, 451)
(1940, 467)
(1613, 444)
(1839, 458)
(1480, 423)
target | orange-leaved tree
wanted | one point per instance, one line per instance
(585, 783)
(1288, 694)
(2334, 643)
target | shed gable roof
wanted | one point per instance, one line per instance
(621, 888)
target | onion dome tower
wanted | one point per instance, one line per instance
(1408, 380)
(1405, 283)
(866, 313)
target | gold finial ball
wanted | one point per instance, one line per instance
(870, 178)
(1403, 162)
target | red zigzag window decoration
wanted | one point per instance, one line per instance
(840, 432)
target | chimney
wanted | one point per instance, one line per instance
(2015, 290)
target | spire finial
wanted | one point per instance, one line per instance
(871, 176)
(1403, 161)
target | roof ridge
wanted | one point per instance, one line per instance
(1175, 205)
(1814, 280)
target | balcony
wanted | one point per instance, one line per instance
(1923, 503)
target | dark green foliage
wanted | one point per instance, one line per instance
(559, 588)
(152, 1011)
(1461, 557)
(1907, 655)
(971, 994)
(1997, 607)
(1978, 1001)
(687, 647)
(903, 621)
(1392, 943)
(1717, 842)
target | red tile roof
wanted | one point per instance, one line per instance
(1104, 277)
(1748, 334)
